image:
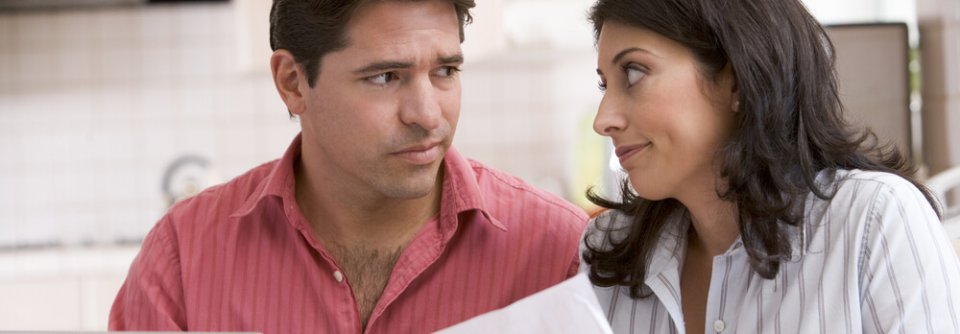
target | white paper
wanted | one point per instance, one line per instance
(569, 307)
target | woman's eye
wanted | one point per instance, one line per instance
(634, 75)
(382, 78)
(602, 86)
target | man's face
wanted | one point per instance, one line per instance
(384, 110)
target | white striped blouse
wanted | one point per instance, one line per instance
(875, 259)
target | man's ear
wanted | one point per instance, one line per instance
(287, 75)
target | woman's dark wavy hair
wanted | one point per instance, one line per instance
(790, 126)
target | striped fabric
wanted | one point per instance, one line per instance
(241, 257)
(873, 260)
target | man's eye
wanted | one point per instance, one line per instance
(447, 71)
(382, 78)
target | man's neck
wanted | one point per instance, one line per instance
(348, 217)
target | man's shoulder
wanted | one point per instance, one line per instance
(222, 200)
(501, 186)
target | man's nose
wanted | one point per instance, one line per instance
(421, 105)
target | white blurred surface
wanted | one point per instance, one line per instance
(61, 289)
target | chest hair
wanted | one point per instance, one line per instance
(367, 270)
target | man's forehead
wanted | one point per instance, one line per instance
(420, 35)
(380, 21)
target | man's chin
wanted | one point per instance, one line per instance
(410, 192)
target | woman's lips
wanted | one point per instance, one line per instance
(628, 151)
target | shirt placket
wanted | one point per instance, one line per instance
(727, 287)
(716, 321)
(346, 317)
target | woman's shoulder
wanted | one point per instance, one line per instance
(867, 193)
(858, 184)
(878, 179)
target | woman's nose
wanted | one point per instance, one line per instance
(609, 119)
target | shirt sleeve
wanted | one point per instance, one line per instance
(910, 276)
(151, 298)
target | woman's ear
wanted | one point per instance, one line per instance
(286, 77)
(730, 77)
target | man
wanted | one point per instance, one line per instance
(370, 223)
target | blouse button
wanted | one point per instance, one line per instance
(337, 275)
(718, 326)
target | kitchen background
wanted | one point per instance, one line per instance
(109, 113)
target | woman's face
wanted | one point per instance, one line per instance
(666, 120)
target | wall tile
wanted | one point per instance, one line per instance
(75, 65)
(5, 30)
(195, 61)
(157, 23)
(75, 27)
(115, 25)
(475, 125)
(116, 63)
(8, 78)
(516, 88)
(157, 59)
(34, 28)
(197, 23)
(156, 104)
(76, 109)
(33, 70)
(7, 52)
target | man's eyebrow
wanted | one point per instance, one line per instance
(386, 65)
(454, 59)
(383, 66)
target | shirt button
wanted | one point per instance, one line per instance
(718, 326)
(337, 275)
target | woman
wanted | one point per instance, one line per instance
(751, 206)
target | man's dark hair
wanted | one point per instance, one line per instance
(310, 29)
(789, 127)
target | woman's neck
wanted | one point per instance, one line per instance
(714, 224)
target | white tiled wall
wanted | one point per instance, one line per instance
(524, 112)
(96, 103)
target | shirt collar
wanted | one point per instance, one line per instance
(461, 192)
(671, 248)
(279, 183)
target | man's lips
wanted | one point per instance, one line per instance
(421, 154)
(627, 151)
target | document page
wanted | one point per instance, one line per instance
(569, 307)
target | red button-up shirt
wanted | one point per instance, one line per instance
(241, 257)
